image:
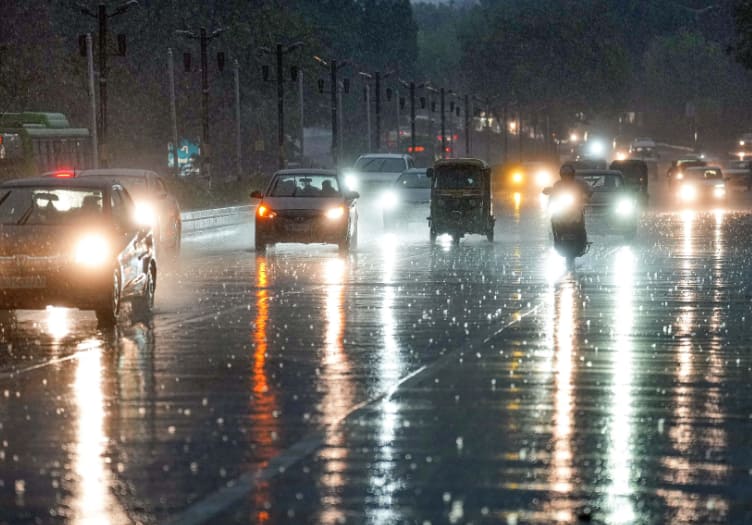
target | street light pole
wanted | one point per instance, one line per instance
(102, 18)
(467, 125)
(443, 126)
(335, 123)
(93, 100)
(412, 116)
(173, 111)
(238, 140)
(302, 114)
(378, 110)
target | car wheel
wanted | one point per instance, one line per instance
(107, 313)
(145, 303)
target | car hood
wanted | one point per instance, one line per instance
(302, 203)
(414, 194)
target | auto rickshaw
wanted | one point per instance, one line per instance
(461, 199)
(635, 173)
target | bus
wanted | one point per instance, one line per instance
(32, 143)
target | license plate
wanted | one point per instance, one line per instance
(299, 228)
(18, 281)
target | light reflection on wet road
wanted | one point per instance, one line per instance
(617, 394)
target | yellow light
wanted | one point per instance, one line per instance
(335, 213)
(621, 156)
(679, 176)
(517, 200)
(265, 212)
(719, 192)
(517, 177)
(574, 137)
(92, 250)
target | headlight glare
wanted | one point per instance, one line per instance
(389, 200)
(688, 193)
(351, 181)
(517, 177)
(92, 251)
(265, 212)
(335, 213)
(145, 214)
(561, 203)
(625, 207)
(719, 191)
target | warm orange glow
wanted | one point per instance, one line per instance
(265, 212)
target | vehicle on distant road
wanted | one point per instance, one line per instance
(376, 171)
(306, 206)
(675, 171)
(635, 173)
(76, 243)
(614, 206)
(701, 184)
(739, 173)
(524, 177)
(407, 200)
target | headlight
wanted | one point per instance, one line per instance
(561, 203)
(351, 181)
(596, 148)
(335, 213)
(621, 156)
(517, 177)
(92, 250)
(719, 191)
(679, 176)
(389, 200)
(625, 207)
(265, 212)
(688, 192)
(145, 214)
(543, 178)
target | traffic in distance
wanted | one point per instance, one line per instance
(430, 262)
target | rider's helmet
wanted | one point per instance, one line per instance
(567, 172)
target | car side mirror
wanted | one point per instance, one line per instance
(547, 191)
(257, 195)
(352, 195)
(429, 173)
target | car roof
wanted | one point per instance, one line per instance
(461, 161)
(53, 182)
(384, 156)
(115, 172)
(599, 173)
(302, 171)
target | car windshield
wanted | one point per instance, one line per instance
(305, 185)
(380, 165)
(48, 206)
(602, 181)
(413, 180)
(457, 177)
(703, 174)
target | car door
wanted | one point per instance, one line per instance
(131, 241)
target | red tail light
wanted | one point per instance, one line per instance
(64, 175)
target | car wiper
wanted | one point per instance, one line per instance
(25, 216)
(4, 197)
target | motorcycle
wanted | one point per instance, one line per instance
(567, 211)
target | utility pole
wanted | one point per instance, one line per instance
(238, 139)
(443, 126)
(93, 99)
(377, 76)
(280, 52)
(204, 39)
(335, 123)
(302, 114)
(368, 117)
(412, 116)
(467, 125)
(397, 104)
(173, 112)
(102, 17)
(505, 127)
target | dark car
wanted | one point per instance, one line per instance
(407, 200)
(614, 207)
(75, 243)
(635, 173)
(153, 201)
(306, 206)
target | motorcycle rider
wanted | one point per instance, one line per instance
(582, 192)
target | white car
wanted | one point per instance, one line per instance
(376, 171)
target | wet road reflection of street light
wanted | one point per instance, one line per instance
(620, 452)
(93, 503)
(339, 393)
(381, 478)
(562, 473)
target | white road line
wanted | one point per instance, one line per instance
(235, 490)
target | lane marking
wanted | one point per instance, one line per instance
(237, 489)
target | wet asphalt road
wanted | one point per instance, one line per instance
(400, 384)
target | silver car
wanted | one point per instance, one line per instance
(306, 206)
(376, 171)
(407, 200)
